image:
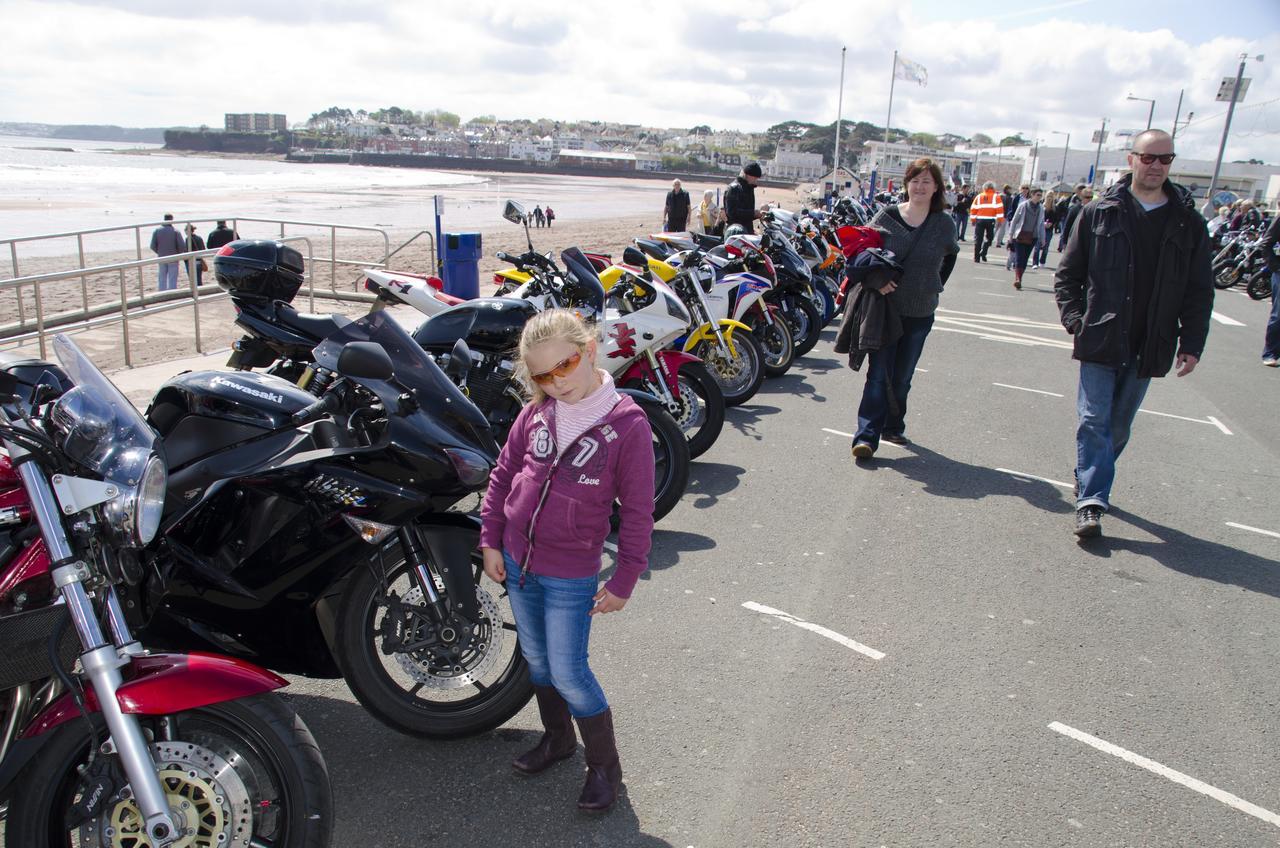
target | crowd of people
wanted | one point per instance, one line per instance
(167, 241)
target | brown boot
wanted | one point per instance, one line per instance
(604, 772)
(558, 742)
(1017, 279)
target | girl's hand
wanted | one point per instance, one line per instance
(606, 601)
(494, 566)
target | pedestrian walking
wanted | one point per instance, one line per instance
(1026, 233)
(964, 197)
(166, 241)
(221, 234)
(1133, 284)
(675, 211)
(986, 211)
(1271, 339)
(740, 198)
(194, 242)
(539, 217)
(922, 237)
(551, 216)
(575, 448)
(1083, 195)
(1006, 198)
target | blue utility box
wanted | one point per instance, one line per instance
(462, 264)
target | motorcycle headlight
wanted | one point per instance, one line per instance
(135, 513)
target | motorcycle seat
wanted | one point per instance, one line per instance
(451, 300)
(309, 324)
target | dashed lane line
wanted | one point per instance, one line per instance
(815, 628)
(1026, 476)
(996, 294)
(1253, 529)
(1233, 801)
(1223, 319)
(854, 436)
(1208, 420)
(1024, 389)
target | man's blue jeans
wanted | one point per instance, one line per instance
(1106, 405)
(1271, 347)
(889, 371)
(168, 276)
(554, 627)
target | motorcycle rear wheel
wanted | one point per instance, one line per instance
(411, 691)
(246, 762)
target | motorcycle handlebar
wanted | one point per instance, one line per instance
(324, 406)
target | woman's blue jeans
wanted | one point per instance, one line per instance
(889, 371)
(554, 627)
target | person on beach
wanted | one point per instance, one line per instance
(221, 234)
(1133, 284)
(675, 212)
(539, 217)
(166, 241)
(922, 237)
(551, 216)
(707, 215)
(575, 448)
(1026, 233)
(194, 242)
(740, 198)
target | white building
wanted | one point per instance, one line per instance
(890, 161)
(789, 163)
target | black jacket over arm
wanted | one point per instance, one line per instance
(1094, 283)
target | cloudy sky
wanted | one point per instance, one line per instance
(1033, 67)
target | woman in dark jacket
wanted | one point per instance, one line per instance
(922, 237)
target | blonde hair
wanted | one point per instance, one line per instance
(553, 325)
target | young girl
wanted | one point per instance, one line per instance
(576, 447)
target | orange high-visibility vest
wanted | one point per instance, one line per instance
(987, 206)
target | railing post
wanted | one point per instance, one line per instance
(192, 275)
(311, 274)
(22, 309)
(142, 286)
(35, 289)
(333, 258)
(84, 282)
(124, 318)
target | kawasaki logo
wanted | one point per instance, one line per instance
(246, 390)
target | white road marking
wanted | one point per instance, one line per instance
(1024, 474)
(1230, 322)
(993, 294)
(854, 436)
(1210, 420)
(1219, 425)
(1253, 529)
(1023, 389)
(923, 370)
(1002, 319)
(1005, 339)
(1178, 777)
(815, 628)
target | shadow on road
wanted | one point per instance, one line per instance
(668, 546)
(792, 383)
(743, 418)
(951, 478)
(708, 481)
(1192, 556)
(392, 790)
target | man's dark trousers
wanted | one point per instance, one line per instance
(984, 232)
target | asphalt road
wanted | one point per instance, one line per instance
(976, 663)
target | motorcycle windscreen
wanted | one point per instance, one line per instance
(435, 393)
(587, 290)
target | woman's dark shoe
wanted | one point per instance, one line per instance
(604, 772)
(558, 742)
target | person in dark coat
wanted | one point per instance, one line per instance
(740, 198)
(1271, 341)
(194, 242)
(221, 234)
(675, 212)
(1135, 291)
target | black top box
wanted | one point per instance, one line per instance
(259, 269)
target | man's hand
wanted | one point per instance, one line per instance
(494, 566)
(1186, 364)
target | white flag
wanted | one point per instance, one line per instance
(905, 69)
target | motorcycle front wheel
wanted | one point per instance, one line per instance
(699, 408)
(805, 323)
(775, 341)
(413, 677)
(1259, 287)
(1226, 276)
(739, 374)
(670, 460)
(238, 774)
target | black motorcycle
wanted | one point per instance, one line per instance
(311, 531)
(280, 338)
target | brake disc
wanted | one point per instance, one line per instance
(468, 660)
(208, 798)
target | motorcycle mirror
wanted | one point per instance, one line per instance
(365, 361)
(514, 212)
(766, 240)
(459, 360)
(634, 256)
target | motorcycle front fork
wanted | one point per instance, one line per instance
(661, 382)
(416, 556)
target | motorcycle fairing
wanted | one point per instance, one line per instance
(728, 325)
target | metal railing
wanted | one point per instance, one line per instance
(151, 303)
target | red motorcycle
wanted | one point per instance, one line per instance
(102, 742)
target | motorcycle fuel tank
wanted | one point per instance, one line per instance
(491, 324)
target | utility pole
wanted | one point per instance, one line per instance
(1178, 112)
(1097, 158)
(1226, 128)
(839, 115)
(892, 78)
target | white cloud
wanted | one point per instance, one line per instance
(743, 64)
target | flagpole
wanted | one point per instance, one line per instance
(839, 113)
(892, 77)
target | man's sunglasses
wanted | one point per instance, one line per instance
(1150, 158)
(562, 369)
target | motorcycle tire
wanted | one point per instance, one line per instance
(251, 759)
(739, 377)
(391, 686)
(670, 460)
(775, 342)
(806, 324)
(1259, 287)
(1226, 276)
(823, 301)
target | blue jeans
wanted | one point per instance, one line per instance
(1041, 251)
(554, 627)
(1106, 404)
(884, 398)
(962, 223)
(1271, 347)
(168, 276)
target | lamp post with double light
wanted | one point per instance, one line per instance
(1062, 172)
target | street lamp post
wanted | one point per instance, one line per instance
(1231, 108)
(1150, 111)
(1062, 172)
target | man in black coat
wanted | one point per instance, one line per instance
(740, 198)
(1082, 196)
(1135, 290)
(675, 214)
(1271, 341)
(220, 235)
